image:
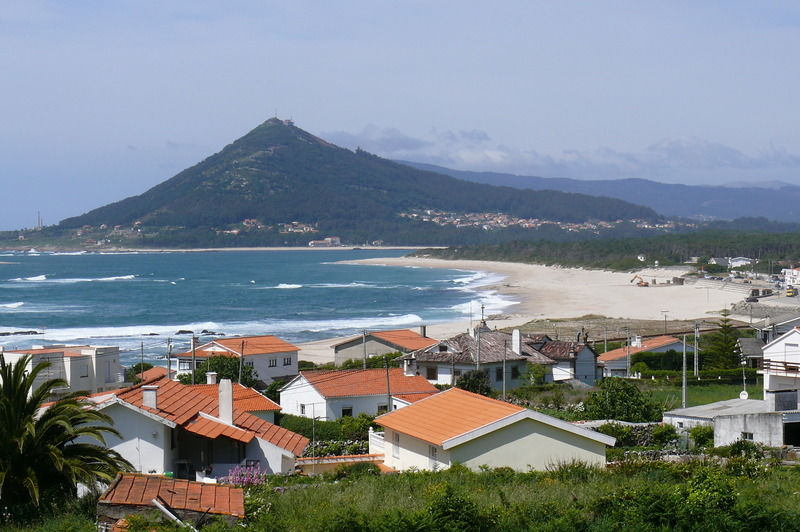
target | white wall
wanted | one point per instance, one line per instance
(298, 393)
(144, 442)
(266, 373)
(413, 453)
(766, 428)
(563, 371)
(685, 422)
(272, 458)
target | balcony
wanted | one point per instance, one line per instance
(780, 368)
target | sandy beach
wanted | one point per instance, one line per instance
(556, 292)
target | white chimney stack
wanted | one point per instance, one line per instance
(150, 396)
(226, 401)
(516, 341)
(211, 377)
(423, 331)
(637, 341)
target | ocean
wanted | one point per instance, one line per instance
(145, 299)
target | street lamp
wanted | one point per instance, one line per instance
(665, 312)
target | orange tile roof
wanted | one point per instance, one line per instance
(446, 415)
(412, 397)
(647, 344)
(139, 490)
(253, 345)
(405, 338)
(244, 398)
(156, 372)
(181, 404)
(355, 382)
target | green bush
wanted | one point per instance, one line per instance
(354, 471)
(664, 434)
(321, 430)
(702, 435)
(620, 399)
(623, 433)
(355, 428)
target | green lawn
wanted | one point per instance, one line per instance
(669, 395)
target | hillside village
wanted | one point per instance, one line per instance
(421, 404)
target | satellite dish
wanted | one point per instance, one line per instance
(743, 395)
(641, 258)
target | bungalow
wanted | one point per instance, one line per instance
(269, 356)
(165, 426)
(616, 360)
(504, 356)
(456, 426)
(752, 351)
(329, 395)
(781, 368)
(83, 367)
(132, 494)
(375, 343)
(776, 325)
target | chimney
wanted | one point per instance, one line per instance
(423, 331)
(226, 401)
(211, 377)
(637, 341)
(516, 341)
(150, 396)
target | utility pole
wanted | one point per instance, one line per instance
(141, 361)
(194, 361)
(388, 386)
(169, 358)
(683, 374)
(364, 342)
(696, 348)
(505, 348)
(478, 349)
(665, 312)
(627, 352)
(241, 362)
(605, 339)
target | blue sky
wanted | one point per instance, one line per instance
(102, 100)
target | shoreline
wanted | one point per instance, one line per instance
(48, 249)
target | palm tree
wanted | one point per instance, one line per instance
(46, 450)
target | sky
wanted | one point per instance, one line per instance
(103, 100)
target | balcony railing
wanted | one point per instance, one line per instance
(779, 367)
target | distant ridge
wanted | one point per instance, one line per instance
(279, 173)
(774, 200)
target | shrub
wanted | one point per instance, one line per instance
(475, 381)
(336, 448)
(623, 433)
(664, 434)
(353, 471)
(319, 430)
(355, 428)
(622, 400)
(702, 435)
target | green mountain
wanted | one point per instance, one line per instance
(278, 173)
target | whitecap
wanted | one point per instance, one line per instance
(288, 286)
(35, 278)
(12, 305)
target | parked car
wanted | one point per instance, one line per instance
(752, 300)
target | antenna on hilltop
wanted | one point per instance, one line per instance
(276, 112)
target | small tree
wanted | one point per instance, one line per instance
(134, 373)
(622, 400)
(721, 349)
(475, 381)
(225, 367)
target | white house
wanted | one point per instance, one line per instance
(504, 356)
(456, 426)
(329, 395)
(781, 370)
(165, 426)
(269, 356)
(791, 276)
(84, 368)
(616, 361)
(776, 325)
(375, 343)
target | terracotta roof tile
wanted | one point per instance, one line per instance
(253, 345)
(405, 338)
(355, 382)
(181, 404)
(446, 415)
(244, 398)
(412, 397)
(139, 490)
(647, 343)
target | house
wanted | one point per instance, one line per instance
(165, 426)
(84, 367)
(245, 399)
(132, 494)
(456, 426)
(616, 360)
(505, 356)
(781, 370)
(751, 350)
(269, 356)
(375, 343)
(776, 325)
(739, 262)
(329, 395)
(791, 276)
(740, 419)
(720, 261)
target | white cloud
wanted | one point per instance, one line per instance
(687, 160)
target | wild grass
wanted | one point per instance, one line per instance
(668, 395)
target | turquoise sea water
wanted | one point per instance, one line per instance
(132, 299)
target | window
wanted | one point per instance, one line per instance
(515, 372)
(747, 436)
(347, 411)
(680, 424)
(431, 373)
(184, 365)
(457, 373)
(248, 363)
(273, 362)
(251, 463)
(442, 348)
(498, 374)
(382, 409)
(85, 370)
(433, 461)
(302, 410)
(395, 445)
(287, 361)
